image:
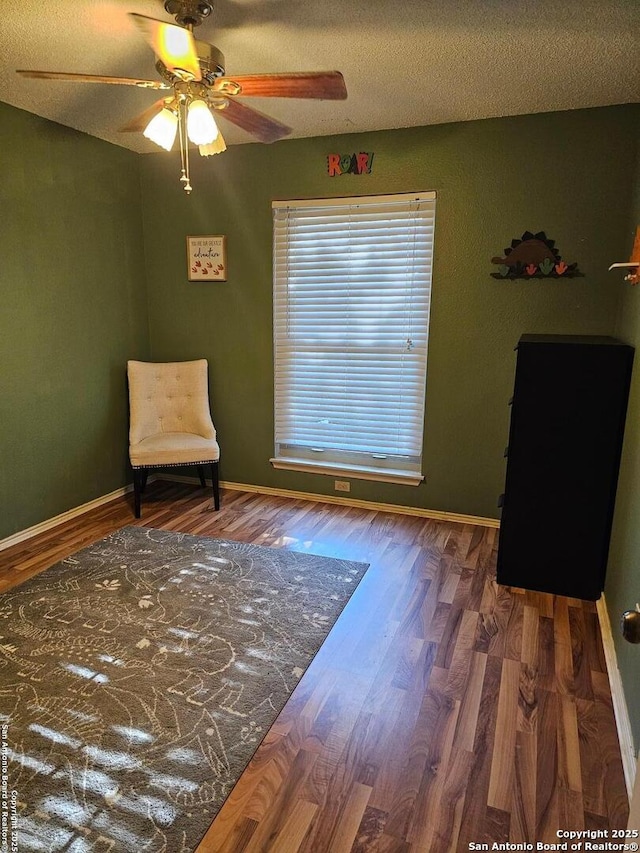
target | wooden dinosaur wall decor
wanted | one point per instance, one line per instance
(533, 256)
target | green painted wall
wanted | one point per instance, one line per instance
(623, 573)
(73, 286)
(565, 173)
(73, 309)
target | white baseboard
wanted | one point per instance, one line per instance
(623, 723)
(43, 526)
(439, 515)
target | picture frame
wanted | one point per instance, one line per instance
(207, 258)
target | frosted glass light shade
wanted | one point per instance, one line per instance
(162, 129)
(215, 147)
(201, 126)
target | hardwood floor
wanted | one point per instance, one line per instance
(442, 710)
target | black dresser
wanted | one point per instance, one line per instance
(565, 440)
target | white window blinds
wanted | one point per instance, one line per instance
(352, 285)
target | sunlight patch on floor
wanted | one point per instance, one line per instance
(108, 758)
(84, 672)
(163, 781)
(31, 763)
(56, 737)
(133, 735)
(183, 754)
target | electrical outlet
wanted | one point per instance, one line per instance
(342, 486)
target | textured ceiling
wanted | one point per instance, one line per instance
(406, 63)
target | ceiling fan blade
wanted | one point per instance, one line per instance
(174, 46)
(139, 123)
(257, 124)
(94, 78)
(325, 85)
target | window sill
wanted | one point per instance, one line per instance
(358, 472)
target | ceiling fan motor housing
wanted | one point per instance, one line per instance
(189, 13)
(210, 59)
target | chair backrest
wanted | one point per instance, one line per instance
(168, 397)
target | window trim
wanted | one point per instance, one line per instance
(357, 472)
(413, 476)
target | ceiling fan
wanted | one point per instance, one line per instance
(193, 74)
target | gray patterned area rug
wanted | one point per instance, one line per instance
(138, 677)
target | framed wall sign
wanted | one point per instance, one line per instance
(207, 258)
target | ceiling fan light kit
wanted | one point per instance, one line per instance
(163, 128)
(195, 71)
(215, 147)
(201, 126)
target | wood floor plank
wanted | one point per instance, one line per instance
(496, 826)
(595, 649)
(475, 807)
(438, 618)
(241, 831)
(596, 822)
(547, 805)
(564, 678)
(448, 817)
(449, 579)
(449, 640)
(462, 655)
(443, 709)
(414, 767)
(497, 625)
(503, 764)
(474, 550)
(292, 834)
(527, 720)
(611, 767)
(398, 728)
(523, 802)
(272, 822)
(390, 844)
(483, 567)
(530, 634)
(546, 665)
(428, 802)
(344, 836)
(571, 809)
(569, 745)
(583, 688)
(370, 831)
(590, 758)
(467, 727)
(514, 629)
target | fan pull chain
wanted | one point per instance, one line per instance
(184, 146)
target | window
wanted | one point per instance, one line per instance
(352, 286)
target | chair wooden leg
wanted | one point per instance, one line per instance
(203, 482)
(143, 484)
(216, 485)
(138, 476)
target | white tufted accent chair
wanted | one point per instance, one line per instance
(170, 421)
